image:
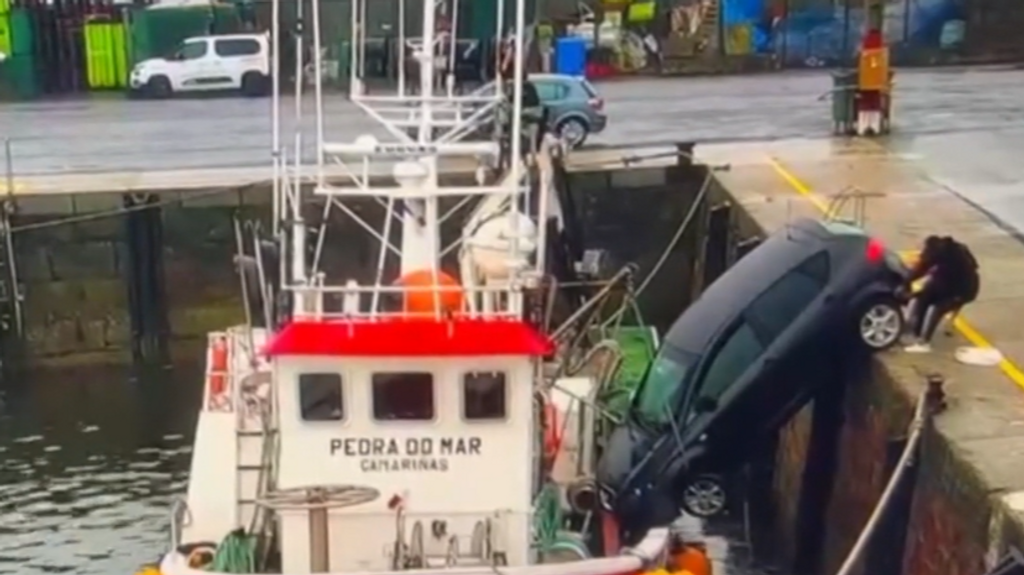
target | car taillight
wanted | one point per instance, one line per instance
(875, 251)
(596, 103)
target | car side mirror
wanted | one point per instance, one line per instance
(705, 405)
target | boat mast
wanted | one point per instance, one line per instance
(424, 131)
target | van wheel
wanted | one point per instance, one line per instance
(573, 131)
(159, 87)
(254, 84)
(704, 495)
(880, 323)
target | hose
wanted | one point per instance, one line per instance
(547, 510)
(235, 554)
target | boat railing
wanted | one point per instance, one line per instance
(231, 357)
(323, 302)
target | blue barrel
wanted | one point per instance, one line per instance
(570, 56)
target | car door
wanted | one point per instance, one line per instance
(788, 318)
(191, 65)
(553, 96)
(236, 56)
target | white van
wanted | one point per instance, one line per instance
(207, 64)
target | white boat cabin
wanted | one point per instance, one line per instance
(436, 416)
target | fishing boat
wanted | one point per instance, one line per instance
(424, 421)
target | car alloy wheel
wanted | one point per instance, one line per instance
(881, 324)
(704, 496)
(573, 132)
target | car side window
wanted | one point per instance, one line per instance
(740, 351)
(548, 91)
(192, 51)
(777, 307)
(237, 47)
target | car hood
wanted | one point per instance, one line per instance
(150, 62)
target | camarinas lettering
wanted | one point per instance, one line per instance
(379, 454)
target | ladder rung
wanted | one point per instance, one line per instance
(251, 467)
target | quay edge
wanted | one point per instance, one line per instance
(964, 506)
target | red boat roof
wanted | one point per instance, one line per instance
(407, 338)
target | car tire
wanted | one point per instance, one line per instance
(879, 323)
(573, 131)
(704, 495)
(159, 87)
(254, 84)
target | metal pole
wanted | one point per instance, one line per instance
(845, 56)
(9, 167)
(319, 541)
(12, 268)
(319, 96)
(275, 113)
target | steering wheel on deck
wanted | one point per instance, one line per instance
(318, 497)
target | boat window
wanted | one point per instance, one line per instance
(777, 307)
(740, 350)
(663, 385)
(484, 395)
(321, 397)
(403, 396)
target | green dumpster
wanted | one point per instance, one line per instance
(844, 90)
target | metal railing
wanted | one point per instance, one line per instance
(353, 301)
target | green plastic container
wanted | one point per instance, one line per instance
(844, 89)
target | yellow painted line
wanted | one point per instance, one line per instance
(972, 335)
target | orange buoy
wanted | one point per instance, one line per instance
(552, 431)
(691, 558)
(218, 372)
(426, 291)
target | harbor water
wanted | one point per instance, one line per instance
(91, 458)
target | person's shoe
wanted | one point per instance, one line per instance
(918, 348)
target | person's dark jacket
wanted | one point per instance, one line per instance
(951, 269)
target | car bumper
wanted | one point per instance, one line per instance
(598, 124)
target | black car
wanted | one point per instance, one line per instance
(742, 359)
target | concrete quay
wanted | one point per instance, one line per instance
(968, 501)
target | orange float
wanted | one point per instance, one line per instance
(552, 431)
(691, 558)
(426, 291)
(218, 373)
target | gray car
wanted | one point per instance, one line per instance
(574, 110)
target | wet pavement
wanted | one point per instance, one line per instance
(962, 126)
(115, 135)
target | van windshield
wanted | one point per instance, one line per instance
(663, 386)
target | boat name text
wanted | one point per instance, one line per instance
(410, 454)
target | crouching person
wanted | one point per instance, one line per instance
(951, 281)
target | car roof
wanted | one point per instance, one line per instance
(257, 37)
(558, 77)
(734, 291)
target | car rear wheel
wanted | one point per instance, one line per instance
(880, 323)
(254, 84)
(573, 131)
(704, 495)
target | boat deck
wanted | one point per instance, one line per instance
(907, 202)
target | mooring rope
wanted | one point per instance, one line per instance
(907, 460)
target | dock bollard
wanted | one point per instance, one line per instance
(935, 396)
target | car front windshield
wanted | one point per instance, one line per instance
(663, 386)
